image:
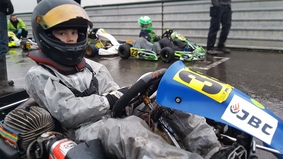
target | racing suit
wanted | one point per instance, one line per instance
(148, 40)
(88, 117)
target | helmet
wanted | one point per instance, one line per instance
(145, 23)
(49, 15)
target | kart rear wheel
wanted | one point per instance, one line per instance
(91, 51)
(124, 51)
(167, 54)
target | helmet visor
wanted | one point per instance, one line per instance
(146, 25)
(64, 13)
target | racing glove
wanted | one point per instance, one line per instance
(156, 39)
(113, 96)
(226, 152)
(19, 31)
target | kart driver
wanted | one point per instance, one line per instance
(80, 93)
(150, 41)
(147, 38)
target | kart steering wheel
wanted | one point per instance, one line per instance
(147, 84)
(167, 33)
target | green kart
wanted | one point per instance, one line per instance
(193, 52)
(126, 50)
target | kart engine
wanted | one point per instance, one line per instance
(28, 123)
(30, 131)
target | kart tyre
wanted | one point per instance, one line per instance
(124, 51)
(91, 51)
(23, 45)
(167, 54)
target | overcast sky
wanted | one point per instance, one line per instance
(22, 6)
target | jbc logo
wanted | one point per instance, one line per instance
(254, 121)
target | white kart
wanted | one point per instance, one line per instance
(101, 43)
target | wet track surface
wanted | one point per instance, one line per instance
(259, 74)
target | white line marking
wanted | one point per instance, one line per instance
(223, 59)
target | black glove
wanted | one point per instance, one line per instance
(156, 39)
(234, 150)
(113, 96)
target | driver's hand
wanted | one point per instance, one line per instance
(113, 96)
(156, 39)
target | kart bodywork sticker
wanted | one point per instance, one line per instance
(210, 87)
(251, 119)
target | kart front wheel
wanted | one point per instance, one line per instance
(91, 51)
(124, 51)
(167, 54)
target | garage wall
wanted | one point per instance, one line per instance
(256, 24)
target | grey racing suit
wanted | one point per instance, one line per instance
(89, 118)
(142, 43)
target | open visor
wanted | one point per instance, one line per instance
(62, 14)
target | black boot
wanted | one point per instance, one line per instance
(5, 85)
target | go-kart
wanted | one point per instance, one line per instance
(127, 50)
(28, 44)
(179, 88)
(101, 43)
(167, 54)
(25, 43)
(13, 40)
(192, 51)
(27, 131)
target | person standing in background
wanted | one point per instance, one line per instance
(220, 13)
(6, 8)
(17, 26)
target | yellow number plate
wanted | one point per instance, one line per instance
(212, 88)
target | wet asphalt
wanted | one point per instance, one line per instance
(256, 73)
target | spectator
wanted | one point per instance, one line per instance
(6, 8)
(17, 26)
(220, 13)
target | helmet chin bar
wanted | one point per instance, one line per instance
(63, 53)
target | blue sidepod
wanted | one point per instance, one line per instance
(183, 89)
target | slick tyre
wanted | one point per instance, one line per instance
(91, 51)
(124, 51)
(167, 54)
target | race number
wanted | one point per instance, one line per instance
(212, 88)
(134, 52)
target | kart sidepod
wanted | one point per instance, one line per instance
(198, 94)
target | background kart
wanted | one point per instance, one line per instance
(25, 44)
(193, 52)
(13, 40)
(127, 50)
(101, 43)
(28, 44)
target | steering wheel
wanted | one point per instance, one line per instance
(147, 84)
(167, 33)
